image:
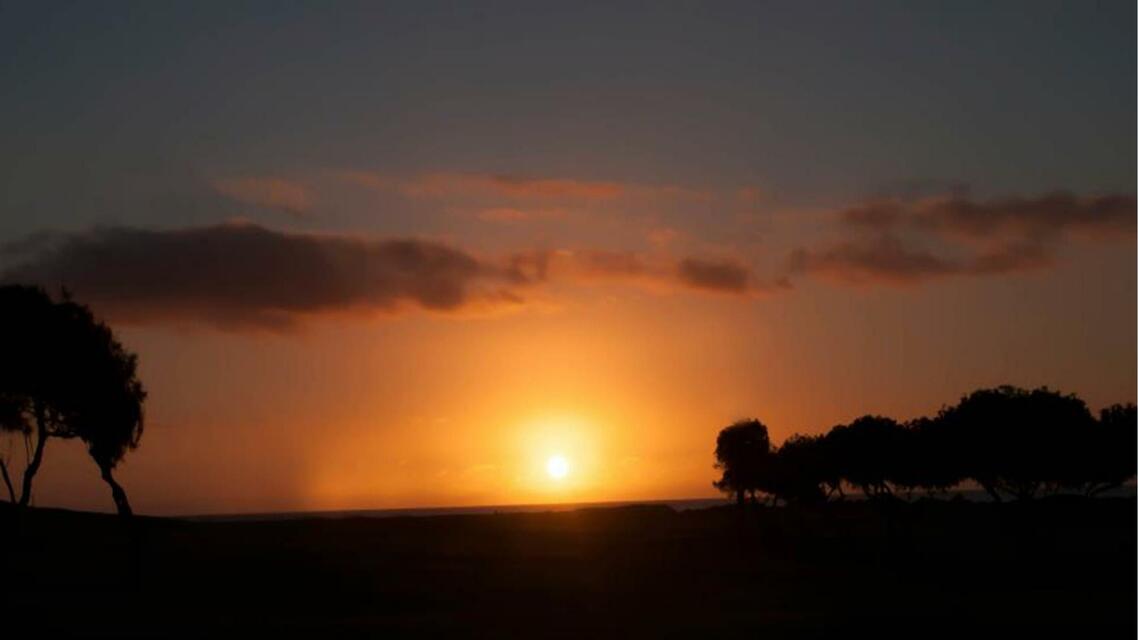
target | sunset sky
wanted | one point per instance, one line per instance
(403, 255)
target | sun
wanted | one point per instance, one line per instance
(557, 467)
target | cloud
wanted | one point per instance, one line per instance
(725, 276)
(886, 260)
(612, 264)
(749, 195)
(269, 193)
(1011, 259)
(516, 190)
(1042, 217)
(486, 185)
(878, 216)
(969, 237)
(656, 272)
(663, 237)
(243, 275)
(507, 215)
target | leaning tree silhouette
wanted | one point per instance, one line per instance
(65, 376)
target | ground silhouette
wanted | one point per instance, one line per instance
(886, 568)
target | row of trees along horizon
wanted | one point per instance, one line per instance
(1011, 442)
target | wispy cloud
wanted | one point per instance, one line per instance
(267, 192)
(520, 188)
(886, 260)
(657, 272)
(484, 185)
(507, 215)
(727, 276)
(898, 241)
(1039, 217)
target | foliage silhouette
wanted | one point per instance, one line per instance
(67, 376)
(1108, 458)
(1017, 442)
(1010, 441)
(870, 451)
(796, 473)
(930, 462)
(742, 452)
(27, 318)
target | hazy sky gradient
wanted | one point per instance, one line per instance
(380, 256)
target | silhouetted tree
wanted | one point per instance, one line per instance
(32, 363)
(742, 452)
(796, 471)
(827, 458)
(1017, 442)
(930, 460)
(1010, 441)
(14, 420)
(905, 471)
(1107, 457)
(867, 453)
(66, 376)
(105, 397)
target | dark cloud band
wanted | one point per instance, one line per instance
(968, 237)
(886, 260)
(240, 274)
(1043, 216)
(248, 276)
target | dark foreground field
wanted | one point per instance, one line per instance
(902, 570)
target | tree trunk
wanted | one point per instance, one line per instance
(836, 489)
(8, 482)
(992, 492)
(117, 492)
(1094, 490)
(37, 457)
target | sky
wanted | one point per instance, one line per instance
(381, 255)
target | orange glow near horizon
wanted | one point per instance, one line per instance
(425, 411)
(557, 467)
(550, 448)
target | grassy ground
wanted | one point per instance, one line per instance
(913, 570)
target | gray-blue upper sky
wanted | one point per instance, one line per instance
(813, 102)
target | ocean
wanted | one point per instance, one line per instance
(683, 504)
(678, 505)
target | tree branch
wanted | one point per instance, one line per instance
(8, 481)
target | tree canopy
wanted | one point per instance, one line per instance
(742, 451)
(65, 375)
(1012, 442)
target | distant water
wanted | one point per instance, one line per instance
(678, 505)
(973, 495)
